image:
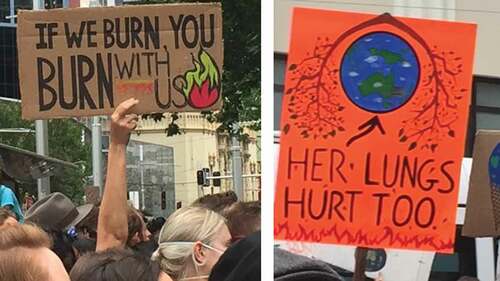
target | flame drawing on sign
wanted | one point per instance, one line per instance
(345, 236)
(202, 84)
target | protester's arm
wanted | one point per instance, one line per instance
(112, 226)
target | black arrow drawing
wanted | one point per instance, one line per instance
(369, 125)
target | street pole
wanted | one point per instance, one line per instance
(97, 153)
(141, 167)
(498, 263)
(97, 166)
(42, 148)
(236, 159)
(42, 144)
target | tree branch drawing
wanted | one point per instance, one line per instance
(436, 109)
(313, 103)
(316, 112)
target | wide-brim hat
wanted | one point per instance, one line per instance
(56, 212)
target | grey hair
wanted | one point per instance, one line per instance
(188, 224)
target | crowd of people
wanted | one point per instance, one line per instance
(217, 238)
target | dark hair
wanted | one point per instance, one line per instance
(216, 202)
(62, 247)
(467, 278)
(84, 245)
(134, 224)
(5, 214)
(89, 223)
(115, 264)
(156, 224)
(243, 218)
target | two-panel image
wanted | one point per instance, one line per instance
(133, 140)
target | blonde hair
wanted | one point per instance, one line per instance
(188, 224)
(16, 262)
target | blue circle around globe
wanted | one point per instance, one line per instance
(379, 72)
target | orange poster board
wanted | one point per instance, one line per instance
(373, 130)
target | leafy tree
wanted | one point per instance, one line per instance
(65, 143)
(241, 75)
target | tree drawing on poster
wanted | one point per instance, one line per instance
(88, 60)
(373, 130)
(387, 84)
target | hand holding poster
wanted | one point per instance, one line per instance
(373, 130)
(81, 62)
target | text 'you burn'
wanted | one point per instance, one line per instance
(68, 80)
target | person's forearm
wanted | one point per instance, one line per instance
(112, 228)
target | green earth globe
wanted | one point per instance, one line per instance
(379, 72)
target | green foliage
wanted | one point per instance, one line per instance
(10, 118)
(241, 76)
(64, 143)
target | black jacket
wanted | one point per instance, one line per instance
(292, 267)
(240, 262)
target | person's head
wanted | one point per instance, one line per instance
(191, 242)
(240, 262)
(88, 226)
(62, 247)
(137, 230)
(155, 225)
(216, 202)
(82, 246)
(7, 218)
(116, 265)
(25, 255)
(243, 219)
(57, 212)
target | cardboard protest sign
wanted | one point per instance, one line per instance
(82, 62)
(374, 119)
(482, 214)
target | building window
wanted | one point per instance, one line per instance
(52, 4)
(8, 63)
(8, 49)
(485, 108)
(9, 8)
(279, 86)
(5, 10)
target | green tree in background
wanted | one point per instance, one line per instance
(65, 143)
(241, 75)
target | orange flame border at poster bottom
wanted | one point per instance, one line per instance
(360, 237)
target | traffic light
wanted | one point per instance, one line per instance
(52, 4)
(201, 177)
(216, 182)
(163, 200)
